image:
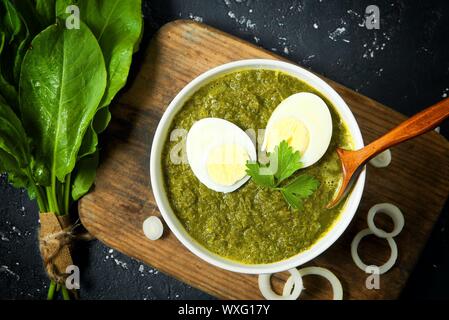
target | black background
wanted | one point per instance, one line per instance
(404, 65)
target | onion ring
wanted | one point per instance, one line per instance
(153, 228)
(325, 273)
(382, 160)
(393, 212)
(355, 256)
(269, 294)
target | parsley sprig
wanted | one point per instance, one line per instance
(284, 162)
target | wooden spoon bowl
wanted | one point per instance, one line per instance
(353, 161)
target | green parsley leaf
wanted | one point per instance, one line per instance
(288, 161)
(293, 201)
(284, 162)
(255, 172)
(303, 186)
(300, 188)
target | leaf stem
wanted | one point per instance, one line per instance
(60, 195)
(51, 290)
(40, 197)
(54, 200)
(49, 199)
(68, 179)
(65, 293)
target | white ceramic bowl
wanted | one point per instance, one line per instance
(172, 221)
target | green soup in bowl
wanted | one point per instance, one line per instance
(251, 229)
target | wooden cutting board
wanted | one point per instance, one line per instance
(416, 181)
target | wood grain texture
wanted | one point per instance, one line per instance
(416, 181)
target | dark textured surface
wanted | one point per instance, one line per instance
(403, 65)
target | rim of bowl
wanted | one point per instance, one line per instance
(158, 188)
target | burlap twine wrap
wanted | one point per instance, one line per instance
(56, 236)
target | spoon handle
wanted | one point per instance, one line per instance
(420, 123)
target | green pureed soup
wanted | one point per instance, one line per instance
(251, 225)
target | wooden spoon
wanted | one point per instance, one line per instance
(353, 161)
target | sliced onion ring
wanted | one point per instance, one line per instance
(382, 160)
(393, 212)
(269, 294)
(355, 255)
(325, 273)
(153, 228)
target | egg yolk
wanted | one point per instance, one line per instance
(291, 130)
(226, 164)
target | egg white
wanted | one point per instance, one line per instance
(208, 133)
(314, 114)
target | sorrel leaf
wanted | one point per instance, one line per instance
(28, 12)
(117, 26)
(85, 173)
(62, 81)
(15, 154)
(13, 32)
(11, 21)
(21, 50)
(46, 11)
(13, 139)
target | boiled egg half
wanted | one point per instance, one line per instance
(305, 122)
(217, 152)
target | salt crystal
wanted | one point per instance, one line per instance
(121, 264)
(195, 18)
(250, 24)
(16, 231)
(3, 237)
(336, 33)
(6, 270)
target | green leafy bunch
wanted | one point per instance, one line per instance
(56, 84)
(283, 163)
